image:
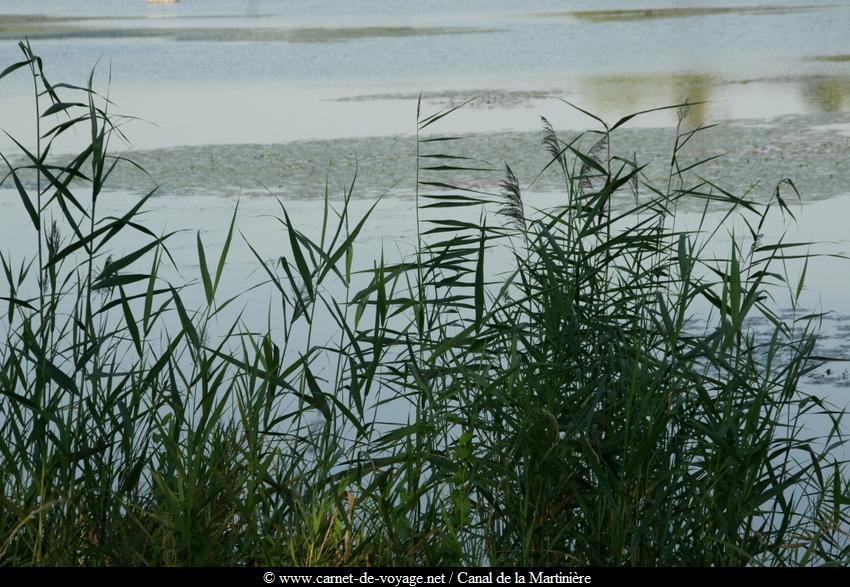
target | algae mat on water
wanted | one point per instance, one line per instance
(51, 27)
(812, 149)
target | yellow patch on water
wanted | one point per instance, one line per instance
(827, 94)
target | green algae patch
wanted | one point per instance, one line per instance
(638, 14)
(331, 35)
(832, 58)
(812, 147)
(43, 27)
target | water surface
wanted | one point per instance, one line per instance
(254, 97)
(226, 71)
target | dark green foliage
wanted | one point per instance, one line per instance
(604, 402)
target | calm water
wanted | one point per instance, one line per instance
(260, 71)
(226, 86)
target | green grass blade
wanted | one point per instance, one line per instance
(205, 274)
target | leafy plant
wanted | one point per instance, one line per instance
(602, 401)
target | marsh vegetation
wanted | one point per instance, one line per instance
(599, 399)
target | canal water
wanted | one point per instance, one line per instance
(257, 98)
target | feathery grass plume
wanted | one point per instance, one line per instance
(512, 207)
(551, 140)
(591, 175)
(683, 111)
(599, 151)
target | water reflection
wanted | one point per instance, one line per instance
(621, 95)
(826, 94)
(712, 98)
(269, 72)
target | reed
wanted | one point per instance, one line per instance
(604, 401)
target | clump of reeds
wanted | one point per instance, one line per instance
(603, 403)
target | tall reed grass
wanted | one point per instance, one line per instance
(602, 402)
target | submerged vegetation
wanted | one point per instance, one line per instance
(627, 15)
(601, 400)
(36, 26)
